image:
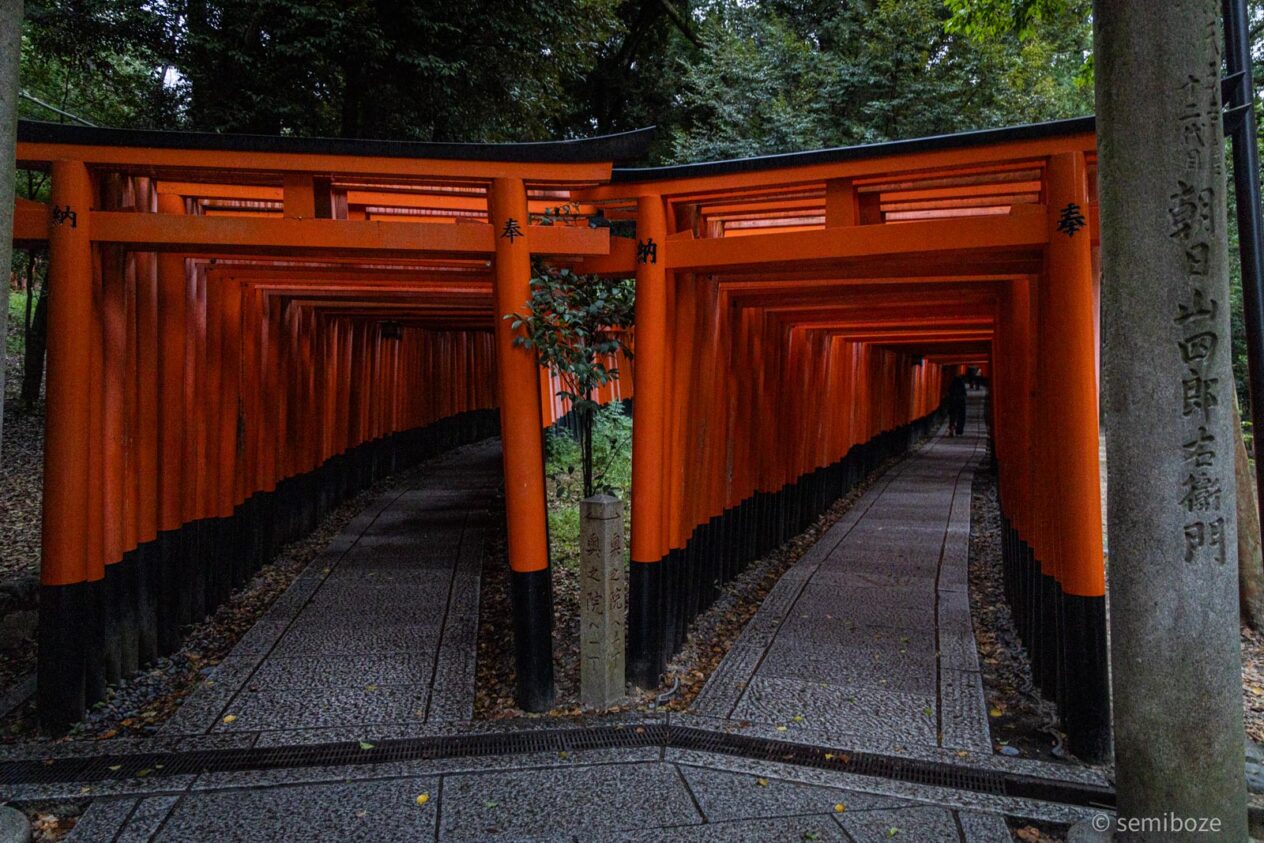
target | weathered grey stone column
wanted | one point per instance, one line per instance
(603, 599)
(10, 59)
(1167, 388)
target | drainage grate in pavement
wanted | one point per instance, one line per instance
(859, 763)
(930, 773)
(158, 765)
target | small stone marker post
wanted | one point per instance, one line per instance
(603, 599)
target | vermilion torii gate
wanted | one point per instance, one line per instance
(243, 330)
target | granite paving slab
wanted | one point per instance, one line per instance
(900, 715)
(102, 821)
(980, 827)
(379, 629)
(511, 805)
(724, 795)
(821, 828)
(147, 819)
(869, 635)
(928, 824)
(365, 810)
(278, 708)
(400, 668)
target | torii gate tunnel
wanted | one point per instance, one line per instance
(245, 330)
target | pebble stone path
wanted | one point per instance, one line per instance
(869, 635)
(380, 629)
(843, 653)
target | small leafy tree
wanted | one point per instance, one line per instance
(576, 324)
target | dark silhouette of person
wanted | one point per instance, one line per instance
(957, 406)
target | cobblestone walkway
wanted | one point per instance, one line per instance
(380, 629)
(869, 635)
(866, 644)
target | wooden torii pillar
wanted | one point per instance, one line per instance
(518, 382)
(67, 596)
(1068, 351)
(646, 652)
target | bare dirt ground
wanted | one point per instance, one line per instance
(1253, 683)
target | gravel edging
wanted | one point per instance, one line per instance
(1020, 717)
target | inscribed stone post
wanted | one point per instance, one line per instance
(603, 601)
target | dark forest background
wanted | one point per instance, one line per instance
(720, 78)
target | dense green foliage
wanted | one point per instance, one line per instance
(576, 324)
(792, 75)
(103, 60)
(719, 77)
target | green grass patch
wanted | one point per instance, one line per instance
(612, 473)
(15, 339)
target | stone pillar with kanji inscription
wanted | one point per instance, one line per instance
(603, 599)
(1168, 394)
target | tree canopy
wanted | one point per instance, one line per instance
(719, 77)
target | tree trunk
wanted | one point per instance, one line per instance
(1250, 561)
(1175, 638)
(36, 346)
(585, 442)
(10, 59)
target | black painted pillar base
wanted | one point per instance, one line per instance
(646, 658)
(148, 561)
(532, 600)
(170, 582)
(1045, 667)
(64, 634)
(1085, 692)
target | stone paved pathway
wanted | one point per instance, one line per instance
(376, 640)
(380, 629)
(633, 799)
(869, 635)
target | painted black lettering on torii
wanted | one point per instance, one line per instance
(646, 251)
(1071, 220)
(512, 230)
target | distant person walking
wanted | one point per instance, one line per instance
(957, 406)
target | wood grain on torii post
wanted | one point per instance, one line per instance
(1167, 384)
